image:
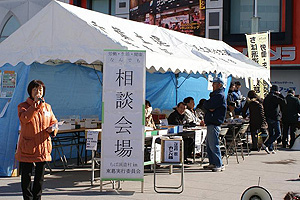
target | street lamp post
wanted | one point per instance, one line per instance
(255, 18)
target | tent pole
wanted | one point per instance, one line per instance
(176, 85)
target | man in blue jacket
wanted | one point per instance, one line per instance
(214, 117)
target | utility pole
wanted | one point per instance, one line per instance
(255, 18)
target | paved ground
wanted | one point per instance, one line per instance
(279, 174)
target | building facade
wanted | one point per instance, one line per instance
(15, 13)
(119, 8)
(282, 19)
(227, 20)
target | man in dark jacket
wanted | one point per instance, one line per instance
(290, 118)
(177, 117)
(230, 96)
(273, 103)
(214, 117)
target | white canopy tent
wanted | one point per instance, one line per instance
(64, 33)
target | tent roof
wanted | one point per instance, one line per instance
(62, 32)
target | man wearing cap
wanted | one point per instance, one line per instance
(273, 104)
(214, 117)
(290, 118)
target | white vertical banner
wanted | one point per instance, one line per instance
(259, 48)
(122, 139)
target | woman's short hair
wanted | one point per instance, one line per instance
(252, 94)
(188, 100)
(147, 103)
(35, 84)
(180, 104)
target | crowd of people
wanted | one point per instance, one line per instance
(271, 115)
(209, 112)
(267, 117)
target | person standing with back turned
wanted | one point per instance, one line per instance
(214, 117)
(273, 104)
(290, 118)
(34, 146)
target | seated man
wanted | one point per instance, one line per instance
(230, 110)
(178, 118)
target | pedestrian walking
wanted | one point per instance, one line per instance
(273, 105)
(290, 117)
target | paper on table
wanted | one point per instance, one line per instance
(91, 140)
(55, 126)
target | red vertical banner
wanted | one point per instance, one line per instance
(84, 3)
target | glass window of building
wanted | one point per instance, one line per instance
(103, 6)
(11, 25)
(241, 12)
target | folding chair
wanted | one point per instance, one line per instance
(163, 162)
(238, 140)
(222, 142)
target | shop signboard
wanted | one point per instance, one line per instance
(122, 139)
(183, 16)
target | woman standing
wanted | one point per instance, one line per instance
(34, 146)
(257, 117)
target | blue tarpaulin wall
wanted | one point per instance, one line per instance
(9, 123)
(161, 88)
(76, 90)
(196, 86)
(70, 89)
